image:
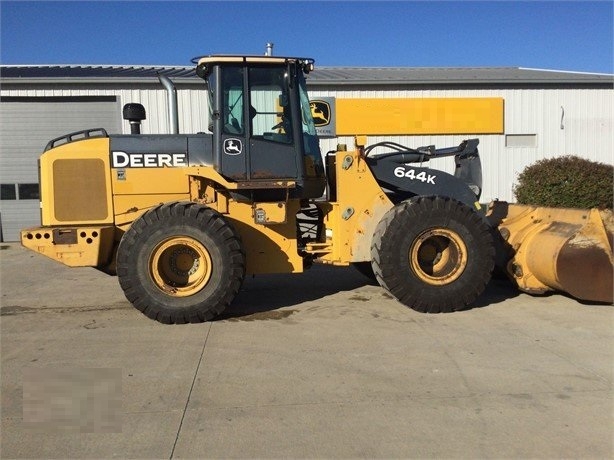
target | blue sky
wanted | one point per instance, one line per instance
(562, 35)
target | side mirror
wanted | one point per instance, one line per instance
(202, 71)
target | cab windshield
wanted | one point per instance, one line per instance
(310, 138)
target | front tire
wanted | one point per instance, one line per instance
(180, 262)
(434, 254)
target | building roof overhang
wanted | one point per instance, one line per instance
(321, 76)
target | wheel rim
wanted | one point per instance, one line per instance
(438, 256)
(180, 266)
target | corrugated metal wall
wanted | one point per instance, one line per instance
(565, 121)
(25, 128)
(193, 116)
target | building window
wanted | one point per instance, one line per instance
(521, 140)
(19, 192)
(7, 192)
(29, 192)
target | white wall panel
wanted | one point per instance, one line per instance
(588, 130)
(192, 105)
(588, 123)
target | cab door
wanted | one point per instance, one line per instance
(272, 144)
(227, 112)
(254, 129)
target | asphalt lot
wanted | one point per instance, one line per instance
(320, 364)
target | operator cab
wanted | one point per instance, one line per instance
(263, 130)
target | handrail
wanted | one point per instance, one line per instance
(76, 136)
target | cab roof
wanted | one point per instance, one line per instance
(226, 58)
(205, 63)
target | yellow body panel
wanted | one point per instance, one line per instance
(419, 116)
(76, 247)
(130, 207)
(270, 248)
(141, 189)
(351, 219)
(271, 213)
(153, 181)
(76, 184)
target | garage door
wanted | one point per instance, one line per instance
(26, 125)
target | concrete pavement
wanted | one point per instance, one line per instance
(317, 365)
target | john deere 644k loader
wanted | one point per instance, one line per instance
(183, 218)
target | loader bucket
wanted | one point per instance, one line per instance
(545, 249)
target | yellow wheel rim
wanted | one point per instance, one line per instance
(438, 256)
(180, 266)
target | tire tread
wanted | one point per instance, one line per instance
(191, 215)
(407, 220)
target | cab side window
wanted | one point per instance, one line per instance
(232, 84)
(270, 105)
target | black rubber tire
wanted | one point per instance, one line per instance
(417, 225)
(142, 261)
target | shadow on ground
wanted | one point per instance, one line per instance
(264, 293)
(267, 293)
(497, 291)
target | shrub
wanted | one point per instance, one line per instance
(566, 182)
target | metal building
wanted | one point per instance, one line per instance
(520, 115)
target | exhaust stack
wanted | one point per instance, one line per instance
(173, 111)
(269, 49)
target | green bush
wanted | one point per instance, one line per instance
(566, 182)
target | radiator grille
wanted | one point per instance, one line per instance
(79, 190)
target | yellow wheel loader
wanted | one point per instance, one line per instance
(183, 218)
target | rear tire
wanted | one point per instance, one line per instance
(434, 254)
(180, 262)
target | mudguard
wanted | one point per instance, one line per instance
(398, 173)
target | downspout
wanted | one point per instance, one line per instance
(173, 112)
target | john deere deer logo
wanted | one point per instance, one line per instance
(233, 146)
(320, 111)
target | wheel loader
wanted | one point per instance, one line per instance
(182, 219)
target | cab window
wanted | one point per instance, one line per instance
(269, 110)
(232, 84)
